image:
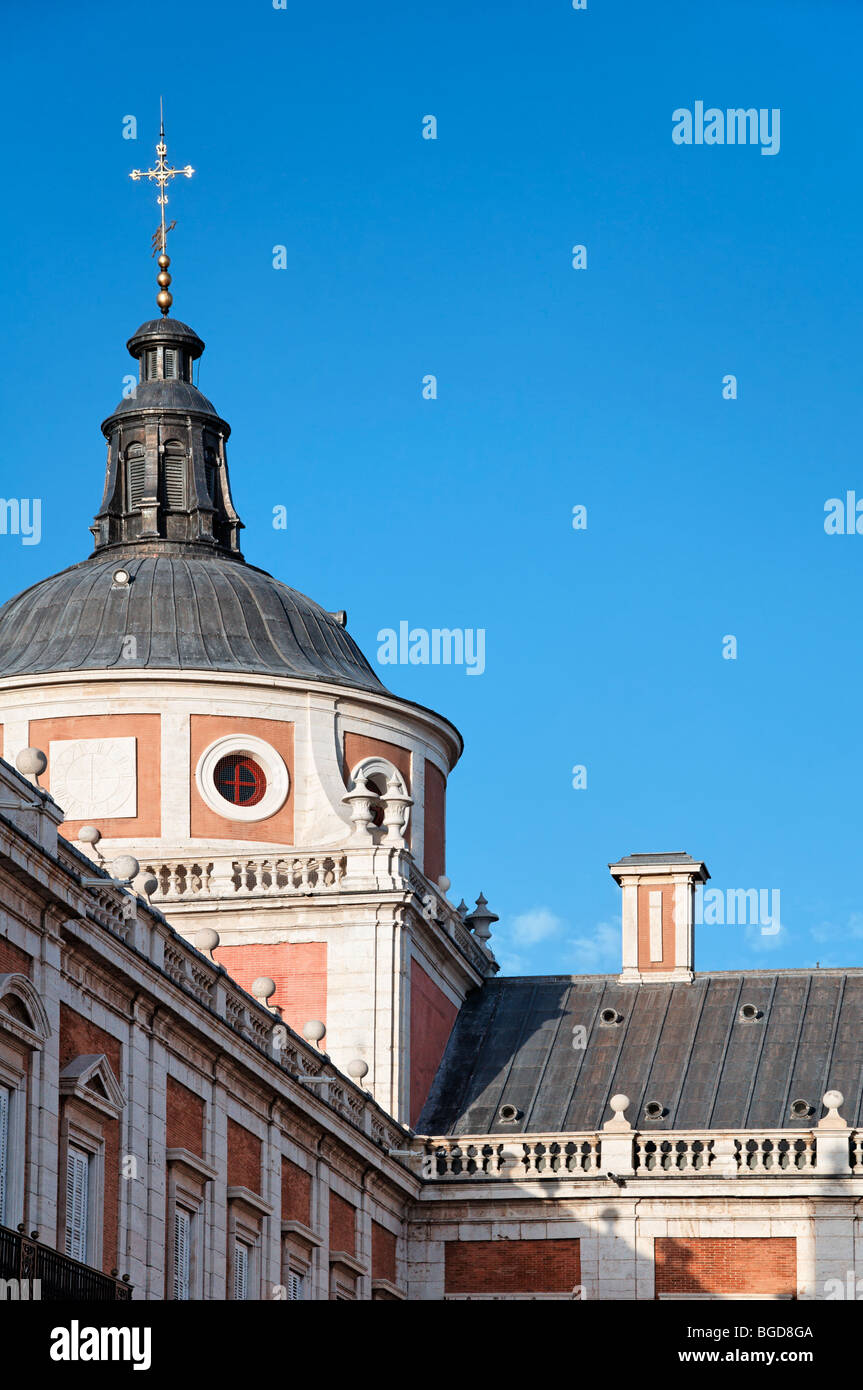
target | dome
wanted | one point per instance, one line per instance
(187, 610)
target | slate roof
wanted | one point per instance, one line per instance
(683, 1045)
(187, 611)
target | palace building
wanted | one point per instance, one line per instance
(249, 1047)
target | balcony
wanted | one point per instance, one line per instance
(43, 1273)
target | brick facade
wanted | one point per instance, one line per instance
(244, 1157)
(432, 1018)
(512, 1266)
(383, 1253)
(343, 1224)
(184, 1124)
(296, 1193)
(434, 841)
(739, 1266)
(298, 969)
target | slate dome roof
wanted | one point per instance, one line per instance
(187, 610)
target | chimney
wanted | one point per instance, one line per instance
(658, 913)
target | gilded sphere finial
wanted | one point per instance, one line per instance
(164, 260)
(164, 299)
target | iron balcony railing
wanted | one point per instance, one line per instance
(35, 1271)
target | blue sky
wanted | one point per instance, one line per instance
(556, 387)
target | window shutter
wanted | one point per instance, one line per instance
(151, 364)
(77, 1183)
(175, 479)
(170, 364)
(296, 1287)
(182, 1231)
(5, 1106)
(135, 466)
(241, 1271)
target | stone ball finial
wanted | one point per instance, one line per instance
(207, 940)
(314, 1030)
(358, 1068)
(444, 884)
(125, 867)
(89, 835)
(150, 885)
(32, 762)
(263, 987)
(831, 1100)
(618, 1121)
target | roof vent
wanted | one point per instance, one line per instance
(654, 1110)
(609, 1017)
(508, 1113)
(748, 1012)
(800, 1109)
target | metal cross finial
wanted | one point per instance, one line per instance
(161, 175)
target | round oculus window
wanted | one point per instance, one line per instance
(241, 777)
(240, 780)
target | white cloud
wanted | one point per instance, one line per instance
(537, 925)
(601, 951)
(832, 931)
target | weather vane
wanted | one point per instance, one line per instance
(162, 175)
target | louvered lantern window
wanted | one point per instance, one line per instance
(135, 470)
(171, 364)
(240, 780)
(210, 472)
(175, 476)
(241, 1271)
(77, 1197)
(5, 1108)
(151, 364)
(182, 1253)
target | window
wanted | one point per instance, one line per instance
(5, 1108)
(171, 372)
(77, 1201)
(241, 1270)
(296, 1287)
(210, 472)
(182, 1253)
(240, 780)
(135, 474)
(151, 364)
(175, 475)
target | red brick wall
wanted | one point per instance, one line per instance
(296, 1193)
(644, 890)
(383, 1253)
(432, 1018)
(343, 1225)
(144, 728)
(299, 970)
(277, 829)
(739, 1265)
(244, 1158)
(79, 1037)
(185, 1119)
(13, 961)
(434, 851)
(512, 1266)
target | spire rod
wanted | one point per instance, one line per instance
(162, 175)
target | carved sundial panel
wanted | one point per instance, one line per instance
(93, 777)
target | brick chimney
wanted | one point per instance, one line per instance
(658, 913)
